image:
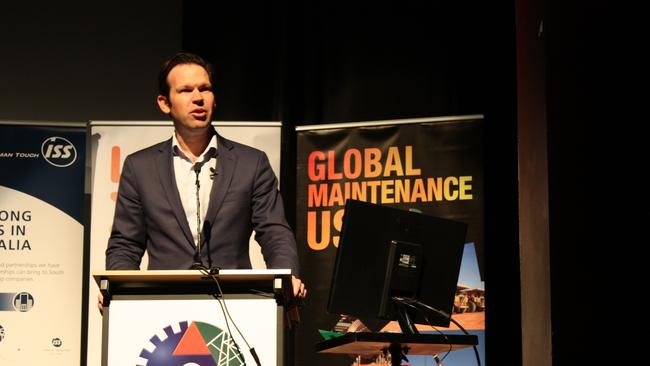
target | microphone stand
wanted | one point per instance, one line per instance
(198, 263)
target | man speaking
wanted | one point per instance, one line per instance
(196, 198)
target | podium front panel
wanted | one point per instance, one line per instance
(191, 330)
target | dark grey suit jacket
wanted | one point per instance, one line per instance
(244, 197)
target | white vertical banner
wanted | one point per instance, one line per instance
(110, 143)
(41, 242)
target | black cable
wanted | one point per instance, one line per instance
(197, 252)
(451, 346)
(262, 293)
(226, 314)
(447, 316)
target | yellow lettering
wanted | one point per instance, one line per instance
(316, 170)
(451, 194)
(466, 187)
(372, 166)
(409, 162)
(393, 162)
(336, 196)
(373, 190)
(348, 171)
(312, 226)
(403, 191)
(387, 191)
(418, 191)
(359, 191)
(332, 174)
(338, 223)
(435, 188)
(317, 197)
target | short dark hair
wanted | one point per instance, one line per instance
(181, 58)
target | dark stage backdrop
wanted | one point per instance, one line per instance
(332, 61)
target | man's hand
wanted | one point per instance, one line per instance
(299, 293)
(299, 289)
(100, 303)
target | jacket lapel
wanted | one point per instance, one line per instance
(164, 163)
(226, 163)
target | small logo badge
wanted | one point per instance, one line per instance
(23, 302)
(57, 342)
(59, 152)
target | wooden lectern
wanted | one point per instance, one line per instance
(162, 318)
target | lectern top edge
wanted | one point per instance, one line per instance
(187, 275)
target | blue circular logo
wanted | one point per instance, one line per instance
(59, 152)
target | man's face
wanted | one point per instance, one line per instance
(191, 100)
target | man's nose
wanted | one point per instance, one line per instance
(197, 97)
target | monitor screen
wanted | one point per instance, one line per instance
(385, 252)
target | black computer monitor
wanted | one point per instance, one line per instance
(386, 252)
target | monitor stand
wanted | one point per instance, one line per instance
(397, 354)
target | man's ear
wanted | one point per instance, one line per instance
(163, 104)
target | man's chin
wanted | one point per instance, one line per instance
(193, 126)
(200, 123)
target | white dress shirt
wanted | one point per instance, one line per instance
(186, 181)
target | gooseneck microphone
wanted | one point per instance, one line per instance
(198, 263)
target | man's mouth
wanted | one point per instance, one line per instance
(199, 113)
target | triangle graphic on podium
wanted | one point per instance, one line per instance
(192, 343)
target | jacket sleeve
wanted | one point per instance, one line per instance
(272, 231)
(127, 242)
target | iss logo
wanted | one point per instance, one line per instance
(2, 333)
(57, 342)
(59, 152)
(199, 344)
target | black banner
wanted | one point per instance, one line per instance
(433, 167)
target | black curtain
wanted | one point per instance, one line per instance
(331, 61)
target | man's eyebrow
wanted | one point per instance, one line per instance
(191, 86)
